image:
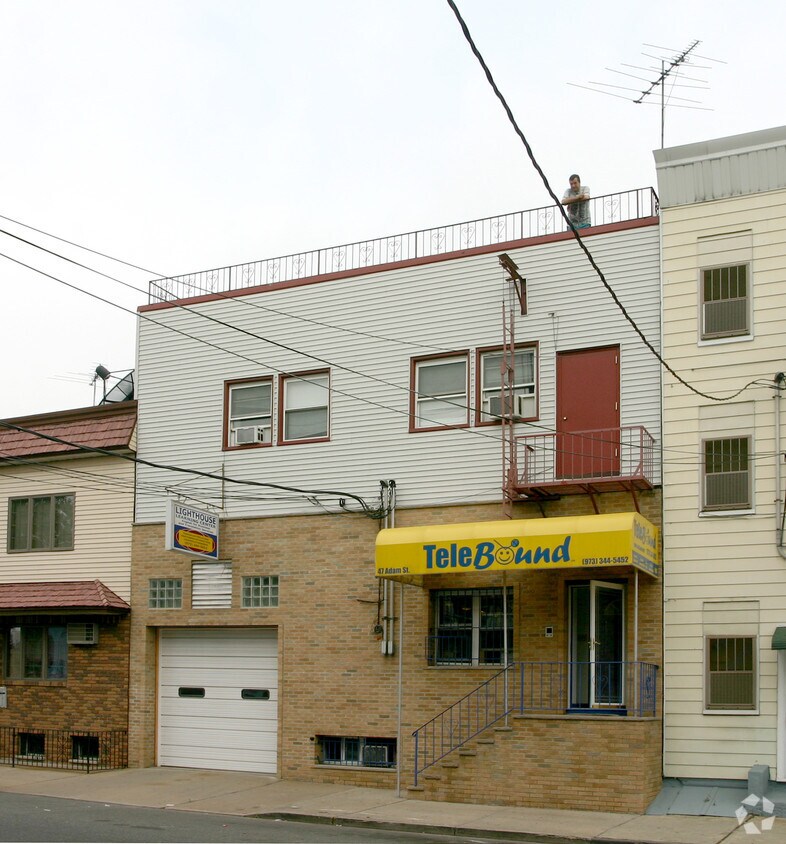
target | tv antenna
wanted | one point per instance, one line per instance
(669, 64)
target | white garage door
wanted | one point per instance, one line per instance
(218, 699)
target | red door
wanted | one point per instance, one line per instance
(588, 401)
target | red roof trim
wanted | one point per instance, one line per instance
(65, 595)
(398, 265)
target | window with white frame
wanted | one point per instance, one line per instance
(490, 374)
(306, 406)
(260, 591)
(249, 413)
(469, 626)
(37, 652)
(441, 392)
(730, 682)
(165, 593)
(41, 523)
(725, 306)
(727, 474)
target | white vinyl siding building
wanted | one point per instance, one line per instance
(723, 208)
(367, 332)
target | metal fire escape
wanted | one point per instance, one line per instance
(514, 301)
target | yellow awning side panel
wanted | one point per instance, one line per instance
(613, 539)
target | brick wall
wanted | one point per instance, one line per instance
(94, 696)
(333, 680)
(600, 763)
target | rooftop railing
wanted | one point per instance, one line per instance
(442, 240)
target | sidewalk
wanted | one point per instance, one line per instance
(257, 795)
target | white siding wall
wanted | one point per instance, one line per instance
(449, 305)
(723, 557)
(103, 513)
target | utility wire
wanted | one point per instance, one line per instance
(219, 294)
(374, 513)
(331, 388)
(576, 235)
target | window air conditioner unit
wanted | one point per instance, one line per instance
(252, 434)
(82, 634)
(523, 406)
(376, 755)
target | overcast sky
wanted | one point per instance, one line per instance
(181, 136)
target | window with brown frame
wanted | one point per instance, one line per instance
(440, 392)
(305, 407)
(41, 523)
(489, 375)
(248, 410)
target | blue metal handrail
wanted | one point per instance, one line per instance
(455, 726)
(619, 207)
(620, 688)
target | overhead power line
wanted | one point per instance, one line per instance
(371, 512)
(576, 235)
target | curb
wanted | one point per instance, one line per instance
(458, 831)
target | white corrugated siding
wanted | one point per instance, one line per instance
(221, 730)
(753, 163)
(448, 305)
(722, 558)
(103, 512)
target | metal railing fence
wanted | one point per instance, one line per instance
(488, 231)
(614, 688)
(627, 452)
(76, 750)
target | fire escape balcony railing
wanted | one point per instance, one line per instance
(621, 207)
(622, 458)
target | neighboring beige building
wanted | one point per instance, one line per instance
(723, 212)
(65, 583)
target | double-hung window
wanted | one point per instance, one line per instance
(471, 627)
(727, 474)
(306, 407)
(440, 392)
(730, 682)
(725, 305)
(41, 523)
(37, 653)
(523, 377)
(249, 408)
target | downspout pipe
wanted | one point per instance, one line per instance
(780, 378)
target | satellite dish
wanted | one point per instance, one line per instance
(122, 391)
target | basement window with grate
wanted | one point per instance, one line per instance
(356, 751)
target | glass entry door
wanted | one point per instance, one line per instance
(597, 645)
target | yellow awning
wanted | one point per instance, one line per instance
(585, 542)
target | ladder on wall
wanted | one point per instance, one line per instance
(514, 300)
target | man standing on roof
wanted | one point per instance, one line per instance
(576, 199)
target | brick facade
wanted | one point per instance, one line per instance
(563, 762)
(333, 679)
(94, 695)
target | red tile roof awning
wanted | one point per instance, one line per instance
(82, 595)
(108, 426)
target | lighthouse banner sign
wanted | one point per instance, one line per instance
(192, 531)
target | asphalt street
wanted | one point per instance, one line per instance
(31, 818)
